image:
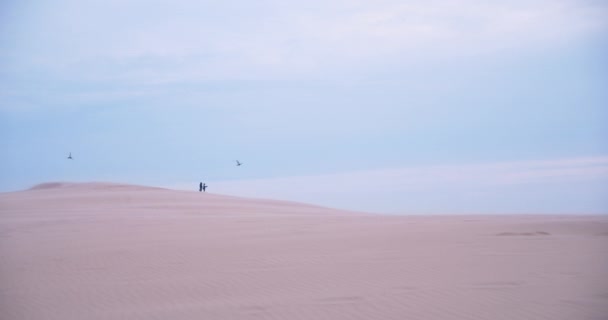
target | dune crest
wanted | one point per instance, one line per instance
(90, 186)
(90, 195)
(50, 185)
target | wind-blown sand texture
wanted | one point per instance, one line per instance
(107, 251)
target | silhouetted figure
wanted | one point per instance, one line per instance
(204, 187)
(200, 187)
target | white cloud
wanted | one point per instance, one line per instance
(202, 40)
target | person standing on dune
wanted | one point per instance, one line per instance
(200, 187)
(204, 187)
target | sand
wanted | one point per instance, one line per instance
(108, 251)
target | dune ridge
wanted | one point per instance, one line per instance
(116, 251)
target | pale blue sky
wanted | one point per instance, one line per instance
(388, 106)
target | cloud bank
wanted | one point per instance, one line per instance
(152, 42)
(575, 185)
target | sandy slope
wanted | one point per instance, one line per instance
(105, 251)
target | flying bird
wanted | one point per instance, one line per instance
(70, 156)
(238, 163)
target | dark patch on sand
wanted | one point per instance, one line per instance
(536, 233)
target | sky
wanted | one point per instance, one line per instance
(386, 106)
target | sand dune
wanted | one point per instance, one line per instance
(110, 251)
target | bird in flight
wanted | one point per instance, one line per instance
(70, 156)
(238, 163)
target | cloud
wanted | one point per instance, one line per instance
(65, 52)
(192, 40)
